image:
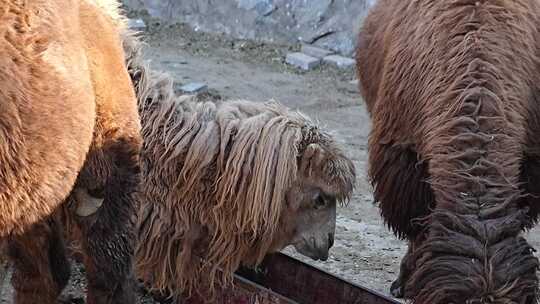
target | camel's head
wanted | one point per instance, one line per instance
(325, 178)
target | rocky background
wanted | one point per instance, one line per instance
(331, 24)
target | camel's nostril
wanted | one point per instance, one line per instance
(330, 240)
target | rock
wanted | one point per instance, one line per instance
(136, 24)
(264, 8)
(194, 87)
(311, 12)
(302, 61)
(316, 52)
(339, 61)
(326, 23)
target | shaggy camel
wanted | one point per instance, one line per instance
(68, 120)
(452, 88)
(225, 183)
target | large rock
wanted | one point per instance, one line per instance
(332, 24)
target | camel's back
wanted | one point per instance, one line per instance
(414, 55)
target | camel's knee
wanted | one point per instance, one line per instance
(108, 181)
(86, 204)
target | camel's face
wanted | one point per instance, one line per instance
(311, 220)
(315, 226)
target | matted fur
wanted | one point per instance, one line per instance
(456, 84)
(215, 179)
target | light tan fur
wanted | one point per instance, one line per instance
(112, 9)
(53, 81)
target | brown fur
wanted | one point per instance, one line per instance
(68, 117)
(452, 89)
(217, 177)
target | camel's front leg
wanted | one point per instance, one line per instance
(406, 267)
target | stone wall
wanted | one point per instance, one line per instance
(331, 24)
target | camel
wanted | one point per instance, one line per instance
(227, 182)
(69, 132)
(452, 90)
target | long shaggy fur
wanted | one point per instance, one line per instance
(216, 175)
(456, 83)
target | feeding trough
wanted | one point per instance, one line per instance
(281, 279)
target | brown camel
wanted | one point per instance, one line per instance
(452, 88)
(68, 120)
(227, 182)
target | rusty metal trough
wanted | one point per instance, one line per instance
(281, 279)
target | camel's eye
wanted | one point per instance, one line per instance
(320, 201)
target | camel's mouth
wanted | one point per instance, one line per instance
(318, 251)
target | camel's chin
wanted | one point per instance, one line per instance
(312, 253)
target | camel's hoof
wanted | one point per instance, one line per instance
(397, 289)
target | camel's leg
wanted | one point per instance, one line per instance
(405, 270)
(106, 218)
(41, 269)
(407, 267)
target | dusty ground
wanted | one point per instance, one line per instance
(365, 252)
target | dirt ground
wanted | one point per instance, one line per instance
(365, 252)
